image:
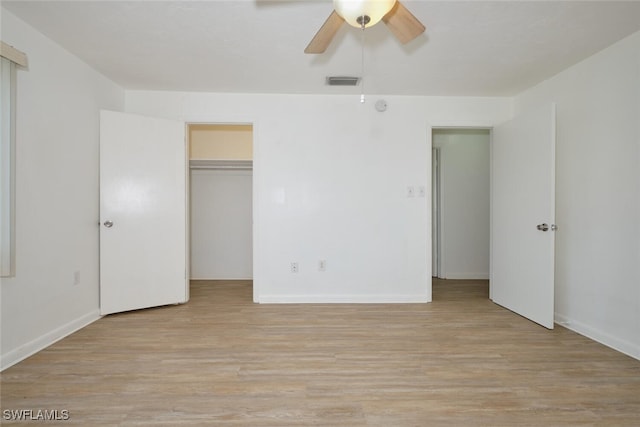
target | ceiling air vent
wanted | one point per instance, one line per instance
(343, 81)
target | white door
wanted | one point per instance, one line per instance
(523, 205)
(143, 207)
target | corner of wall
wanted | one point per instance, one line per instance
(32, 347)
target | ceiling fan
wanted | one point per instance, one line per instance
(363, 14)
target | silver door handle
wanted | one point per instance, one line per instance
(543, 227)
(108, 224)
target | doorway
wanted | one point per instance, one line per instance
(461, 203)
(221, 201)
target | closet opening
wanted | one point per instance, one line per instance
(221, 202)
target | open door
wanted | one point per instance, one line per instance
(523, 215)
(143, 211)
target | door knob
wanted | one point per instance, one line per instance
(108, 224)
(543, 227)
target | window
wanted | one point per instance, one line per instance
(9, 59)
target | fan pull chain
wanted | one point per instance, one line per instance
(362, 63)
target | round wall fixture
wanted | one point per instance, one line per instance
(381, 105)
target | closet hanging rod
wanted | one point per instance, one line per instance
(221, 164)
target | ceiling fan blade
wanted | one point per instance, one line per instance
(325, 34)
(403, 24)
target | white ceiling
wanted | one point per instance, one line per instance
(474, 48)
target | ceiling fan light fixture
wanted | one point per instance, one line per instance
(355, 12)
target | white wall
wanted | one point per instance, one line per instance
(221, 224)
(464, 202)
(330, 180)
(58, 101)
(330, 183)
(598, 193)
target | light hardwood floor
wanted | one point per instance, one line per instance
(222, 360)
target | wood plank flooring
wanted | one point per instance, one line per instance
(221, 360)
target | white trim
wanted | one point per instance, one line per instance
(436, 206)
(344, 299)
(13, 54)
(442, 219)
(256, 183)
(626, 347)
(231, 279)
(7, 168)
(44, 341)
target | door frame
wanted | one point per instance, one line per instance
(436, 205)
(456, 125)
(254, 195)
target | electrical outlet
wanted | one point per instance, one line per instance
(294, 267)
(422, 191)
(322, 265)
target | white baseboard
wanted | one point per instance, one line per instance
(19, 354)
(626, 347)
(219, 278)
(343, 299)
(467, 276)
